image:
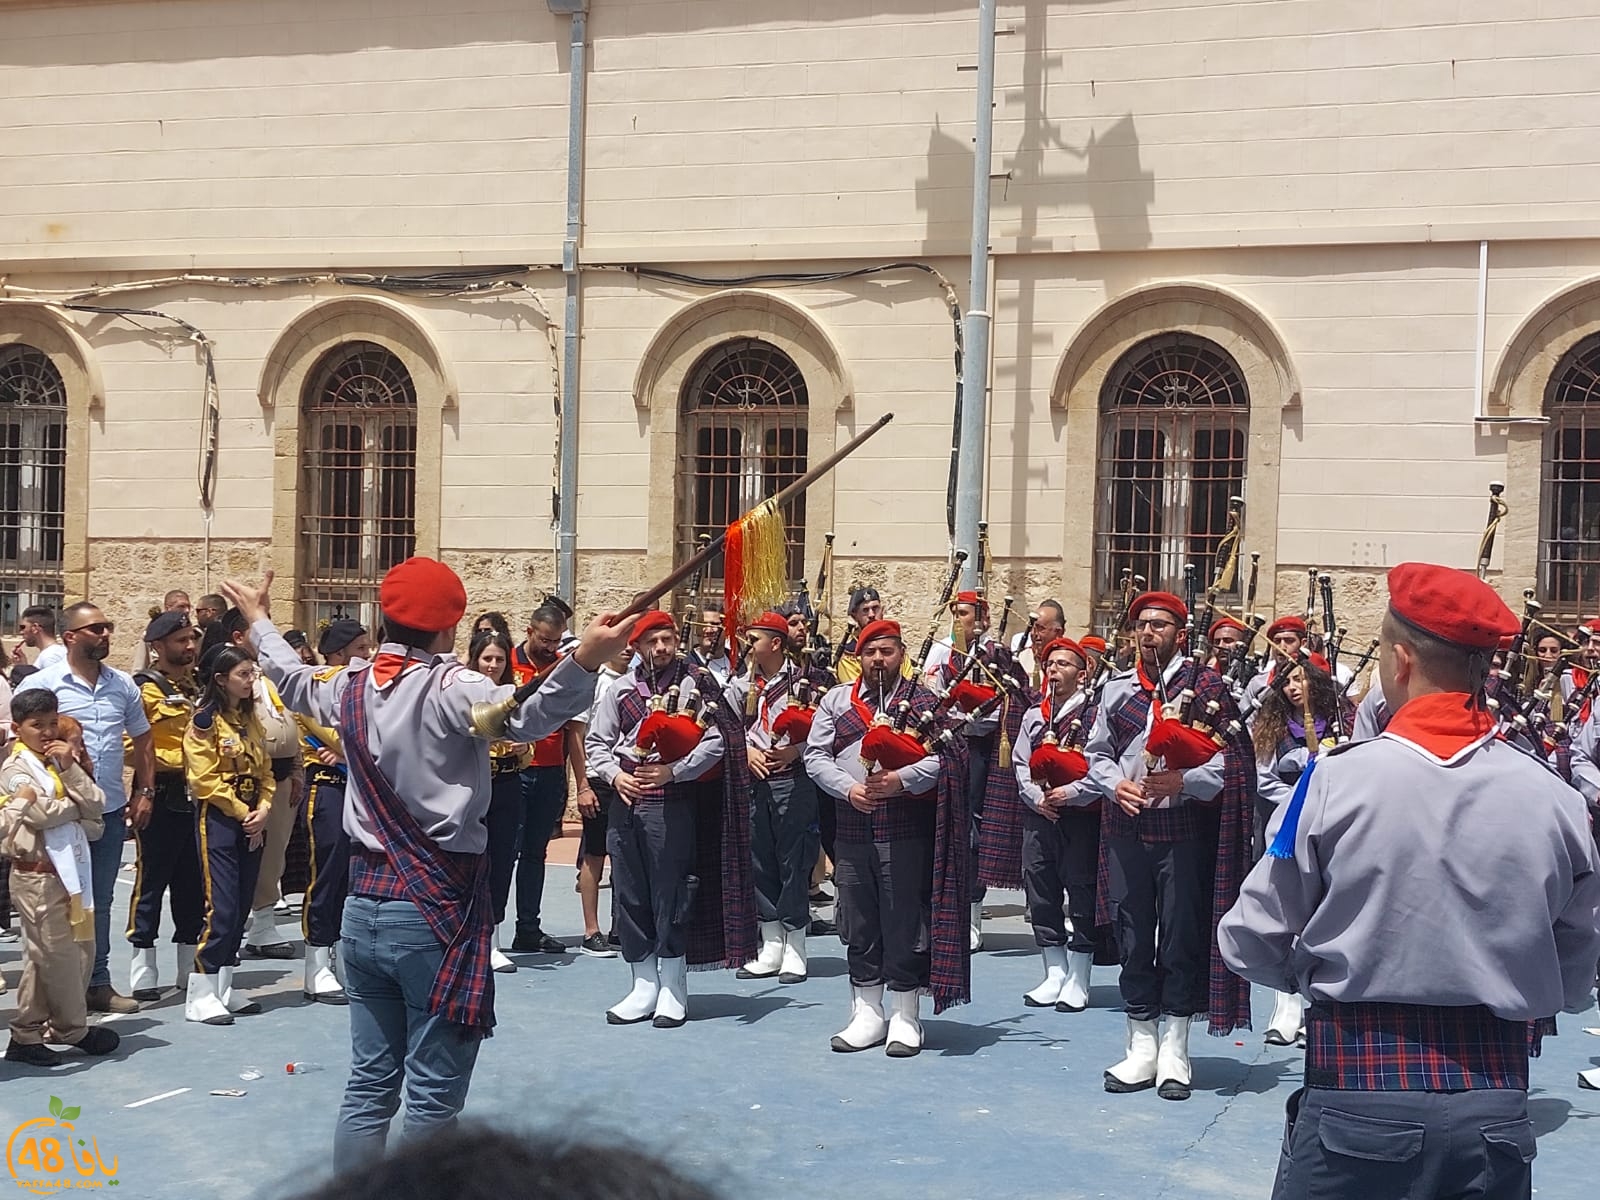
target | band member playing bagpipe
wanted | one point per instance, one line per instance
(810, 658)
(1299, 717)
(776, 704)
(1224, 636)
(666, 740)
(1177, 774)
(1431, 891)
(1286, 636)
(895, 777)
(1060, 829)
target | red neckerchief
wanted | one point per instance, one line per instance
(1047, 708)
(1145, 680)
(386, 668)
(1441, 725)
(860, 705)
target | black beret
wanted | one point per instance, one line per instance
(338, 635)
(166, 624)
(861, 595)
(296, 638)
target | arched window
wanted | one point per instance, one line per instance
(1174, 425)
(1569, 537)
(33, 457)
(742, 440)
(358, 479)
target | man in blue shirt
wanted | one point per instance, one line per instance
(106, 702)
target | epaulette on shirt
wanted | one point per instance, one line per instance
(204, 719)
(327, 674)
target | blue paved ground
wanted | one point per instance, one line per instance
(1006, 1102)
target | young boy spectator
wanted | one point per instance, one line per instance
(50, 813)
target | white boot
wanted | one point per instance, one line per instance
(1055, 978)
(770, 958)
(1172, 1065)
(1137, 1070)
(321, 984)
(143, 983)
(672, 997)
(905, 1024)
(867, 1026)
(1590, 1079)
(977, 925)
(261, 936)
(793, 967)
(640, 1003)
(1288, 1019)
(202, 1004)
(1075, 992)
(234, 1002)
(185, 965)
(497, 959)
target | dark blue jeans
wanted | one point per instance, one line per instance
(390, 959)
(544, 799)
(105, 860)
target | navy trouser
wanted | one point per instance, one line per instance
(330, 862)
(168, 864)
(651, 844)
(783, 846)
(1346, 1145)
(1061, 858)
(886, 911)
(978, 749)
(504, 824)
(544, 799)
(230, 870)
(1160, 896)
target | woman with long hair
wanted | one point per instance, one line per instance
(490, 655)
(1298, 717)
(230, 778)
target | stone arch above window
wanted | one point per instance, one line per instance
(45, 330)
(298, 353)
(1207, 314)
(683, 344)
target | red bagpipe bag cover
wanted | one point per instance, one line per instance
(1055, 767)
(671, 736)
(1180, 746)
(890, 750)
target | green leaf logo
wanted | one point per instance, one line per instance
(55, 1106)
(70, 1114)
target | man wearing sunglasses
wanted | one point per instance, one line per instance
(107, 703)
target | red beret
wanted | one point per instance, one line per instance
(969, 597)
(423, 594)
(1064, 643)
(1091, 642)
(1453, 606)
(1223, 623)
(650, 622)
(1592, 627)
(1295, 625)
(876, 630)
(1165, 601)
(769, 622)
(1320, 663)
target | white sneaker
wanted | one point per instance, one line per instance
(1173, 1072)
(143, 982)
(672, 997)
(792, 969)
(1075, 992)
(1055, 978)
(321, 984)
(1137, 1070)
(905, 1024)
(202, 1004)
(867, 1027)
(770, 958)
(640, 1003)
(497, 959)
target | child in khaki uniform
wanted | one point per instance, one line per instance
(50, 809)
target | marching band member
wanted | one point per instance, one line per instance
(802, 654)
(342, 642)
(1423, 967)
(1029, 647)
(418, 914)
(901, 871)
(1095, 647)
(230, 777)
(168, 861)
(679, 839)
(783, 804)
(1060, 830)
(1176, 845)
(711, 651)
(1285, 637)
(866, 606)
(1225, 635)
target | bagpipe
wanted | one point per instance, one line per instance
(894, 742)
(1180, 737)
(1056, 763)
(675, 723)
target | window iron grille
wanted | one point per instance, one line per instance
(1174, 427)
(743, 438)
(359, 471)
(1569, 536)
(33, 460)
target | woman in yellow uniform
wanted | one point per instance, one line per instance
(230, 779)
(490, 655)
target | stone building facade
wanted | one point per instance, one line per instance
(1335, 257)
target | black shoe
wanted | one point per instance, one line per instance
(98, 1040)
(33, 1054)
(821, 928)
(819, 896)
(276, 950)
(1117, 1088)
(669, 1022)
(537, 942)
(1171, 1089)
(1274, 1038)
(613, 938)
(596, 946)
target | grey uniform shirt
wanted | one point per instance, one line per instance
(606, 741)
(775, 698)
(1029, 738)
(1422, 881)
(420, 732)
(1372, 716)
(1106, 770)
(837, 776)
